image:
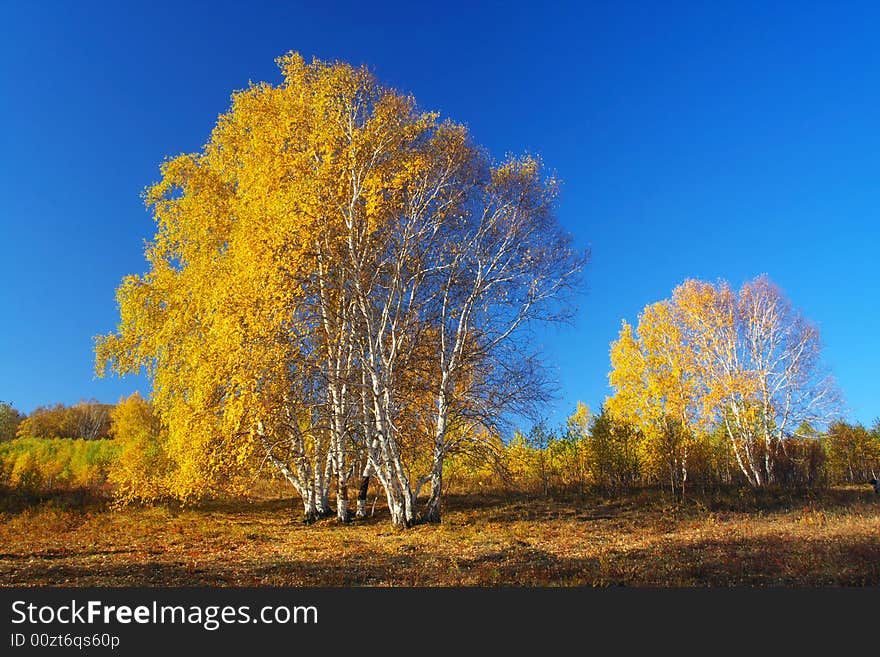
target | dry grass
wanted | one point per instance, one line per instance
(730, 539)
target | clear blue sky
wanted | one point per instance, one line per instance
(695, 139)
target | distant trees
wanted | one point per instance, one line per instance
(588, 453)
(614, 453)
(746, 361)
(853, 451)
(53, 421)
(92, 419)
(87, 420)
(10, 418)
(606, 454)
(56, 446)
(340, 283)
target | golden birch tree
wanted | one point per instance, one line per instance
(333, 265)
(747, 361)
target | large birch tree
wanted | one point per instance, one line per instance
(339, 278)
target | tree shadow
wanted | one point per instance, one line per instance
(516, 567)
(15, 501)
(778, 561)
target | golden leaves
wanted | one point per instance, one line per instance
(221, 318)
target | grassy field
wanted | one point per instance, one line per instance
(730, 539)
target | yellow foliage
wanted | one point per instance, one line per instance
(142, 467)
(224, 321)
(42, 464)
(709, 357)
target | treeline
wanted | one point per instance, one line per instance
(56, 447)
(589, 453)
(598, 453)
(87, 420)
(60, 447)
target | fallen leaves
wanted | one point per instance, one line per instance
(833, 540)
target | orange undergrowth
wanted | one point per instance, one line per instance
(643, 538)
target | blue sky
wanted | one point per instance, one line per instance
(710, 140)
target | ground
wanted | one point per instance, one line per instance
(717, 539)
